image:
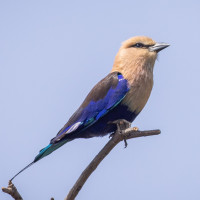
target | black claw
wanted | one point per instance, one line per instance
(125, 143)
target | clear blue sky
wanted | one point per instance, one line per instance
(51, 55)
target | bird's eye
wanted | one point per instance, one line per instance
(139, 45)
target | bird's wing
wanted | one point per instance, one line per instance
(103, 97)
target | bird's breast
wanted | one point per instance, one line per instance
(140, 89)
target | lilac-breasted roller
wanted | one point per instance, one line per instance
(122, 94)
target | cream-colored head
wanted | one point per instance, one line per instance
(137, 52)
(135, 60)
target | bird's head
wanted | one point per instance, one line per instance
(138, 51)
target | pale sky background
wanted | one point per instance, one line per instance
(53, 52)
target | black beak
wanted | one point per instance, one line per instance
(158, 47)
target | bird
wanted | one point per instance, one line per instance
(122, 94)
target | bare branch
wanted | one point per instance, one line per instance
(117, 137)
(12, 191)
(123, 133)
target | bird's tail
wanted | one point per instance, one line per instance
(49, 149)
(43, 152)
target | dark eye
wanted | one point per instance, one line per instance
(139, 45)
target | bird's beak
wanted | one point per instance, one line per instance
(158, 47)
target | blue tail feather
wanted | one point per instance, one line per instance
(49, 149)
(44, 152)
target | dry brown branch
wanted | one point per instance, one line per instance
(123, 133)
(117, 137)
(12, 190)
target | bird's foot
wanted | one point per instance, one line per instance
(121, 124)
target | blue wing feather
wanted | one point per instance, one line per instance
(104, 97)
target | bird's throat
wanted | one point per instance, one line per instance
(139, 74)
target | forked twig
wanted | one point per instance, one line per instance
(118, 136)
